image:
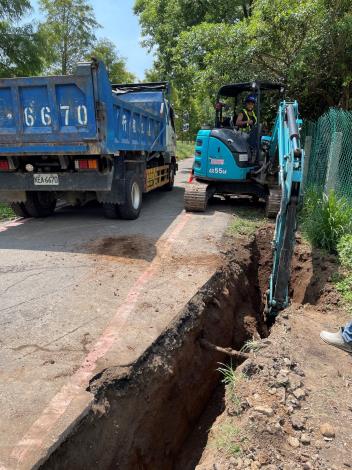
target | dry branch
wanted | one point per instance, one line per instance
(230, 352)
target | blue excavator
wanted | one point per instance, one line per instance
(261, 165)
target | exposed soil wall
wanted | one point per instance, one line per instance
(289, 407)
(143, 414)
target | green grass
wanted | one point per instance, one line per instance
(231, 378)
(246, 221)
(325, 219)
(251, 346)
(344, 287)
(344, 249)
(327, 225)
(184, 150)
(226, 439)
(343, 279)
(6, 212)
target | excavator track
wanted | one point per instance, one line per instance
(273, 203)
(196, 196)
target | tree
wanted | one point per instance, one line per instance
(105, 50)
(163, 21)
(13, 9)
(21, 45)
(69, 29)
(201, 45)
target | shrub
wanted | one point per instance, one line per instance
(344, 249)
(344, 282)
(326, 219)
(6, 212)
(184, 150)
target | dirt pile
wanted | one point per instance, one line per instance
(312, 275)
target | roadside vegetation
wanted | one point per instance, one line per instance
(185, 149)
(327, 224)
(6, 212)
(344, 278)
(246, 221)
(326, 218)
(199, 46)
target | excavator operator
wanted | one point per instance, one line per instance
(247, 118)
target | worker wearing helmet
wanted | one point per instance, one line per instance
(247, 118)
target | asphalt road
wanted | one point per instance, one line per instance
(78, 294)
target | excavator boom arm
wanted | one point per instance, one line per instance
(286, 142)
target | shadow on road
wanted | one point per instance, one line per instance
(85, 230)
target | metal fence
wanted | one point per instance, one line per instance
(328, 148)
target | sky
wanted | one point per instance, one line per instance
(121, 26)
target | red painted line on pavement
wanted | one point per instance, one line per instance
(35, 436)
(12, 224)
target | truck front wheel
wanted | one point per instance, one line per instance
(40, 204)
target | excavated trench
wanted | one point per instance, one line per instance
(145, 414)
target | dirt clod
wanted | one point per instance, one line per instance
(265, 410)
(327, 430)
(305, 439)
(293, 441)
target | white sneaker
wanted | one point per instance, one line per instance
(336, 339)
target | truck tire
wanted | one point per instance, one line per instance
(111, 211)
(170, 185)
(40, 203)
(131, 209)
(19, 209)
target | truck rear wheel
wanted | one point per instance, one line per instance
(131, 209)
(40, 204)
(19, 209)
(170, 185)
(111, 211)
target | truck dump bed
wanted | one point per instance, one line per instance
(46, 114)
(77, 114)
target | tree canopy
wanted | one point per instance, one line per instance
(69, 29)
(105, 50)
(20, 44)
(64, 37)
(307, 44)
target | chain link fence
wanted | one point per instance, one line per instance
(328, 148)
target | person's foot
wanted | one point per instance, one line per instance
(336, 339)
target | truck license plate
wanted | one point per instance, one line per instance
(47, 179)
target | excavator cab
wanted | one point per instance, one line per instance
(254, 141)
(229, 161)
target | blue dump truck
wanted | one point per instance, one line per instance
(80, 138)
